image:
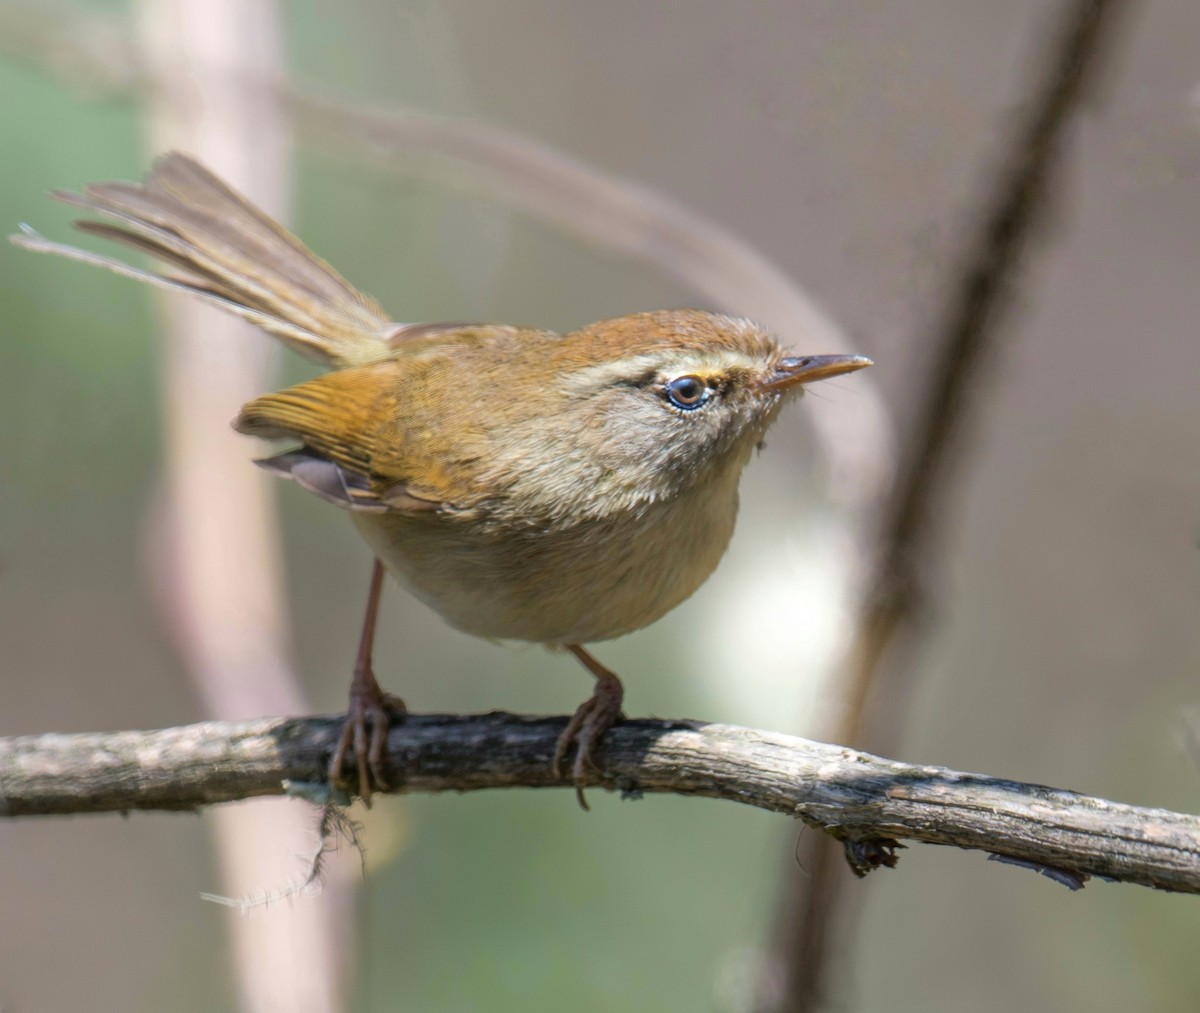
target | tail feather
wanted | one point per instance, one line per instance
(231, 253)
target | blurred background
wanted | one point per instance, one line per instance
(848, 143)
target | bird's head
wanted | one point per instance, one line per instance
(651, 404)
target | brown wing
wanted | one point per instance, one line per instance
(374, 438)
(418, 432)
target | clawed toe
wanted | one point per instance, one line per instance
(585, 730)
(588, 724)
(364, 737)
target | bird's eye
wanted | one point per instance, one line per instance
(687, 392)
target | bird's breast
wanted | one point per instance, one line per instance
(562, 583)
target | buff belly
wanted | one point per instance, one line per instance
(592, 580)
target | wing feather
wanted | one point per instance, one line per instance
(353, 452)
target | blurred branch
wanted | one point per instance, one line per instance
(977, 298)
(866, 802)
(214, 547)
(978, 293)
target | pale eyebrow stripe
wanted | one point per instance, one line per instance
(646, 364)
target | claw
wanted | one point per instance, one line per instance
(595, 716)
(364, 735)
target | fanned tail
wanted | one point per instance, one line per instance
(229, 253)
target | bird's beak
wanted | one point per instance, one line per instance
(808, 369)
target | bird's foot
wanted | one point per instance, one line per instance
(587, 726)
(364, 735)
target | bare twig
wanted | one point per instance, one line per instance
(866, 802)
(977, 296)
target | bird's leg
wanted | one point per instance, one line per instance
(595, 716)
(365, 732)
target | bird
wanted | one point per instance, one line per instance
(527, 485)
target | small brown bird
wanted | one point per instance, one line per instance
(527, 485)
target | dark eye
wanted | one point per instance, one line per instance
(687, 392)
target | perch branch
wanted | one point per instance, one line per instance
(866, 802)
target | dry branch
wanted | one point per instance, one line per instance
(866, 802)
